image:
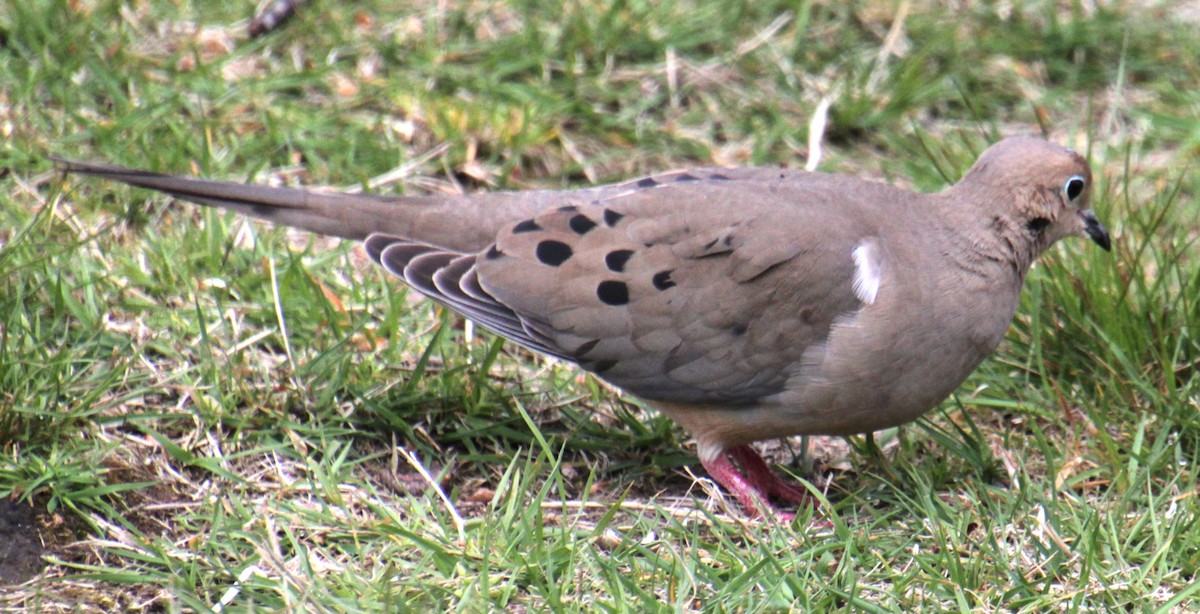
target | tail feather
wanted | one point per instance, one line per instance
(340, 215)
(440, 275)
(458, 223)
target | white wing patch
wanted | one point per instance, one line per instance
(867, 271)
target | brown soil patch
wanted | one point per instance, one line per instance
(22, 541)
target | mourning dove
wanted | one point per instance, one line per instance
(745, 304)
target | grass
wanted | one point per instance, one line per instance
(200, 413)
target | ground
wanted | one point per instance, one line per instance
(198, 413)
(22, 542)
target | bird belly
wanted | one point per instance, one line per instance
(862, 381)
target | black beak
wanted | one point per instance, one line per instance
(1095, 230)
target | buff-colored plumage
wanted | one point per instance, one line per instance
(745, 303)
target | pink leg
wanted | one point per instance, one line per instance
(765, 480)
(755, 483)
(749, 494)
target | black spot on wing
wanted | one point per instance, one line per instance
(616, 260)
(553, 253)
(614, 293)
(686, 177)
(662, 280)
(568, 209)
(612, 217)
(493, 252)
(600, 366)
(646, 182)
(583, 350)
(526, 226)
(581, 224)
(718, 177)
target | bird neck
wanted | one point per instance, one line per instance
(982, 240)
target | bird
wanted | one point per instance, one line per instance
(743, 303)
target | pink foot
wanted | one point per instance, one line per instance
(760, 474)
(754, 485)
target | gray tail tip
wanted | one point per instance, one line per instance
(64, 165)
(112, 171)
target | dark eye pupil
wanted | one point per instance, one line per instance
(1074, 188)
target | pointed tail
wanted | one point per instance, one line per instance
(349, 216)
(464, 224)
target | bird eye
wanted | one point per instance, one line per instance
(1074, 187)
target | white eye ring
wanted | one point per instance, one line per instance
(1073, 188)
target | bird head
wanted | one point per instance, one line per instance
(1048, 190)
